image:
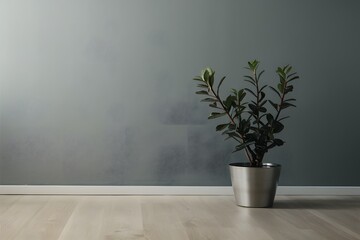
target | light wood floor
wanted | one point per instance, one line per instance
(176, 217)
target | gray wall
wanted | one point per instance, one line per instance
(100, 92)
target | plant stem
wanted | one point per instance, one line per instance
(257, 100)
(250, 155)
(281, 102)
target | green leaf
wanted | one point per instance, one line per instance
(202, 86)
(198, 78)
(209, 100)
(250, 91)
(262, 109)
(283, 118)
(229, 102)
(221, 126)
(253, 65)
(288, 69)
(205, 73)
(225, 132)
(251, 137)
(262, 116)
(214, 105)
(282, 80)
(232, 126)
(263, 88)
(290, 100)
(246, 80)
(270, 118)
(202, 92)
(281, 87)
(262, 103)
(278, 126)
(278, 142)
(262, 95)
(281, 73)
(274, 105)
(288, 89)
(211, 80)
(291, 74)
(232, 135)
(293, 78)
(247, 77)
(242, 146)
(234, 91)
(261, 73)
(276, 91)
(253, 108)
(214, 115)
(218, 87)
(260, 148)
(241, 95)
(286, 105)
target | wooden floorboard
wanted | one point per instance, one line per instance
(27, 217)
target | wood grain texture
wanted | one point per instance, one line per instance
(176, 217)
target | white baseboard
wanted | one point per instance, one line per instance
(114, 190)
(319, 190)
(167, 190)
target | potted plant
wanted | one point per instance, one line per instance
(253, 127)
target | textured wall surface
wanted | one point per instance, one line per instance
(100, 92)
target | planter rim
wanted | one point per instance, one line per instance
(247, 165)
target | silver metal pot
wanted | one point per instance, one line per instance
(254, 186)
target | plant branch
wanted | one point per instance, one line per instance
(281, 102)
(246, 126)
(222, 105)
(249, 153)
(257, 99)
